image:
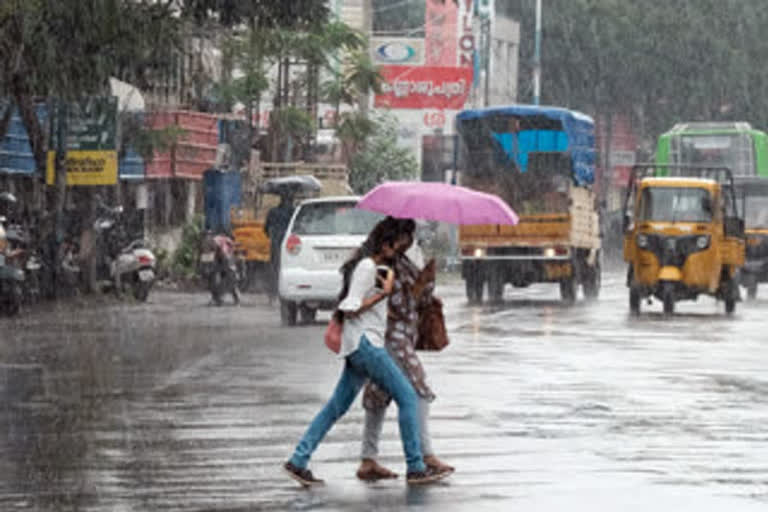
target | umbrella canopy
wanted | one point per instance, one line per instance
(292, 184)
(437, 201)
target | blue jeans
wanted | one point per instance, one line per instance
(367, 362)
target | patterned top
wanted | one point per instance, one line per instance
(402, 333)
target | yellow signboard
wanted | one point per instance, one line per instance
(85, 167)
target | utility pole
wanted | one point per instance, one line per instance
(486, 33)
(537, 57)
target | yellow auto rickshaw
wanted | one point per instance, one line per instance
(249, 219)
(683, 235)
(752, 196)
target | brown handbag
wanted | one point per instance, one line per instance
(432, 333)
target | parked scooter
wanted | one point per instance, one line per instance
(122, 263)
(219, 268)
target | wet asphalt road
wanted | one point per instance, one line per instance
(174, 405)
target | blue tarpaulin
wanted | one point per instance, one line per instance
(576, 135)
(15, 151)
(221, 191)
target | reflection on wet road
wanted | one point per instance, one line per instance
(173, 405)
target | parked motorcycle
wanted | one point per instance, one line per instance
(23, 255)
(122, 263)
(11, 277)
(219, 267)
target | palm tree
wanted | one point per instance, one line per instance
(362, 76)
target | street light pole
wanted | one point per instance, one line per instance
(537, 56)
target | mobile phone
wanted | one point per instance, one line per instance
(382, 271)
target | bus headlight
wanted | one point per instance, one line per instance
(642, 241)
(550, 252)
(479, 253)
(702, 242)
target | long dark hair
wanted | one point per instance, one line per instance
(387, 231)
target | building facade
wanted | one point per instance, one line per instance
(436, 58)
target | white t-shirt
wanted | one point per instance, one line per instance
(373, 321)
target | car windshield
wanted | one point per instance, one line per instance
(334, 218)
(675, 204)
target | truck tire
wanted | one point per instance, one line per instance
(288, 312)
(496, 285)
(634, 301)
(473, 283)
(568, 290)
(591, 284)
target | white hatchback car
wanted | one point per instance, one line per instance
(322, 235)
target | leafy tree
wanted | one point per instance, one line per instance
(381, 158)
(659, 61)
(68, 49)
(293, 14)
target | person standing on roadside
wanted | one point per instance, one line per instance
(278, 219)
(363, 308)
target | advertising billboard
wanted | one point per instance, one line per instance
(424, 87)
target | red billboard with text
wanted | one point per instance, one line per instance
(424, 87)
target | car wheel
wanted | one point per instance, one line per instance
(288, 312)
(307, 315)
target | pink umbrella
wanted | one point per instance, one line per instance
(437, 201)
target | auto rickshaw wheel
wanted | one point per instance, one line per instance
(668, 298)
(731, 294)
(634, 301)
(750, 283)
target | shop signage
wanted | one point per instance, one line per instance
(425, 87)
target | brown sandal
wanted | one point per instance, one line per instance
(433, 462)
(375, 472)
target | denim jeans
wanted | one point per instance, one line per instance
(367, 362)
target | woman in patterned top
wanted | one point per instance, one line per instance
(412, 289)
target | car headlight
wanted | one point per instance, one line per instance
(642, 241)
(702, 242)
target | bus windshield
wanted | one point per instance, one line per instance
(733, 151)
(675, 204)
